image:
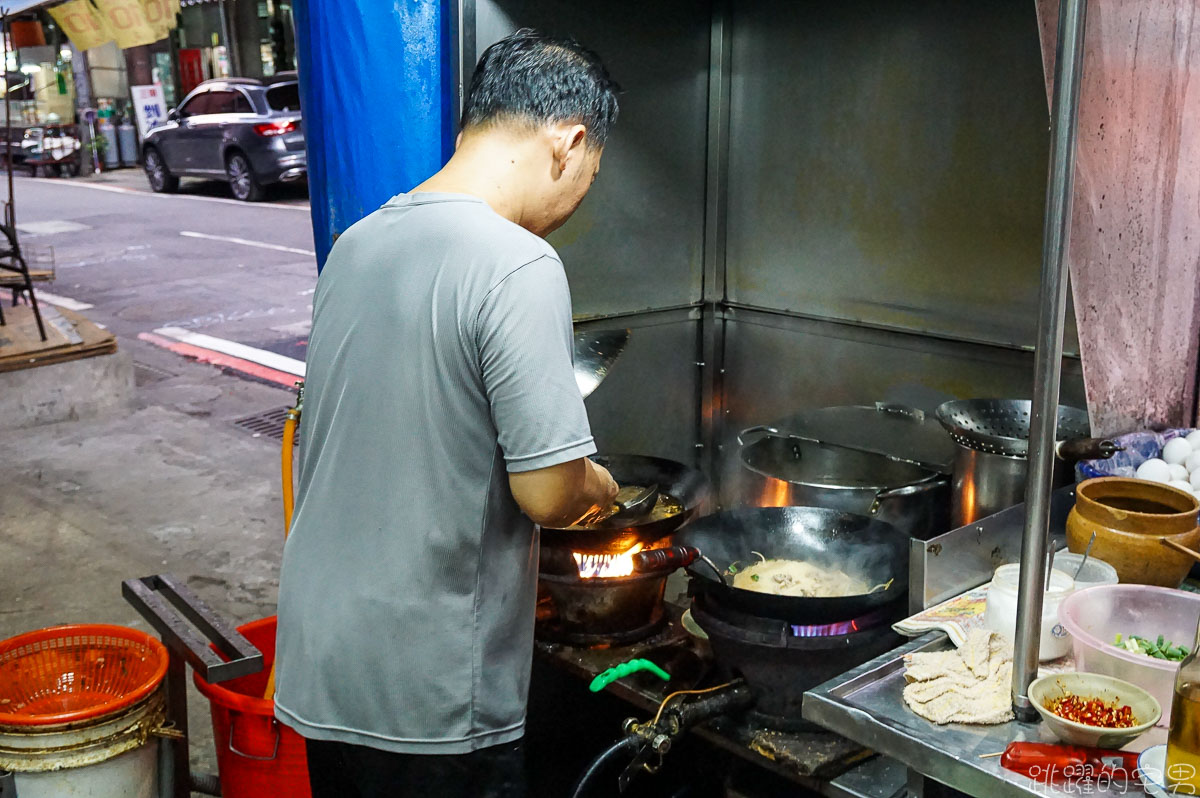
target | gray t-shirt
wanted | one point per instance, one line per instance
(439, 360)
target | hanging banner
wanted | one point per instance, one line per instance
(83, 24)
(127, 21)
(149, 107)
(159, 15)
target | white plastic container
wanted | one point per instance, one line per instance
(114, 757)
(1000, 614)
(1095, 572)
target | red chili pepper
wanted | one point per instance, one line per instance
(1092, 712)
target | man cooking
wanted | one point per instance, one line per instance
(442, 421)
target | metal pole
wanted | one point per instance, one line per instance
(1068, 67)
(10, 211)
(235, 61)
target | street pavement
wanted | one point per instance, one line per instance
(170, 484)
(198, 260)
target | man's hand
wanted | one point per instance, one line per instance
(561, 495)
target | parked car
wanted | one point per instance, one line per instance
(247, 131)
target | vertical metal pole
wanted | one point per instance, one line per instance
(710, 414)
(1068, 67)
(235, 61)
(10, 212)
(177, 712)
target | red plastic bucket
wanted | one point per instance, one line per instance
(257, 756)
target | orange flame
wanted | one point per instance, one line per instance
(774, 493)
(606, 565)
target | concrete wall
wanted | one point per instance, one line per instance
(66, 391)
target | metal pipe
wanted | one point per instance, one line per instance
(10, 216)
(1068, 68)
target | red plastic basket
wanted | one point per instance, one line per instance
(67, 674)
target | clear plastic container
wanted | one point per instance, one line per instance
(1095, 572)
(1094, 617)
(1000, 613)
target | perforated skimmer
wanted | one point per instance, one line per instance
(1001, 426)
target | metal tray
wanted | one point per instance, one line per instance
(865, 704)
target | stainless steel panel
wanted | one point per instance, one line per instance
(637, 241)
(648, 403)
(888, 164)
(943, 567)
(777, 365)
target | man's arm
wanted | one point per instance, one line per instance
(560, 495)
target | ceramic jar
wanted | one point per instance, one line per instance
(1130, 518)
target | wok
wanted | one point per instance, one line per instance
(686, 485)
(864, 548)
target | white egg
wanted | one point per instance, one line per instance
(1195, 480)
(1176, 450)
(1178, 472)
(1179, 483)
(1154, 470)
(1193, 461)
(1194, 438)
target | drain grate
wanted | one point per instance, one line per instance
(269, 423)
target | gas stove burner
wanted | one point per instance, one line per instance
(863, 623)
(780, 660)
(600, 610)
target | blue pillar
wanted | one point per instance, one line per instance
(378, 90)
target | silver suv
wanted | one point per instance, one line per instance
(247, 131)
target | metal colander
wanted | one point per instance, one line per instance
(1001, 426)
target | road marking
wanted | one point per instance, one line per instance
(204, 355)
(123, 190)
(62, 301)
(263, 357)
(247, 242)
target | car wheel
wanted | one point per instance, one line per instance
(161, 181)
(241, 179)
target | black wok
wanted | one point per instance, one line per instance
(864, 548)
(686, 485)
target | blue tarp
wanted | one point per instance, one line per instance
(378, 91)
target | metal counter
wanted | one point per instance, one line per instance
(866, 705)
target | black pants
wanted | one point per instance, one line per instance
(341, 770)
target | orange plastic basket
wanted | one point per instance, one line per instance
(67, 674)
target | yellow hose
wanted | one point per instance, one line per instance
(289, 443)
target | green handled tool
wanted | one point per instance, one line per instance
(609, 676)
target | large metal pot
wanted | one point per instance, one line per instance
(788, 471)
(993, 445)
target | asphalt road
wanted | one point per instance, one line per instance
(198, 260)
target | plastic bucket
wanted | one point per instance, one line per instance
(257, 755)
(80, 703)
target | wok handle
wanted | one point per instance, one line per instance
(668, 559)
(756, 430)
(1076, 449)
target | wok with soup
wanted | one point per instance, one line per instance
(800, 564)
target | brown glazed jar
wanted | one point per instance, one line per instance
(1131, 517)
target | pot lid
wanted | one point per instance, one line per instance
(897, 431)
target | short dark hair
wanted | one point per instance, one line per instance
(534, 78)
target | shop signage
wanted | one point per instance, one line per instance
(149, 106)
(90, 23)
